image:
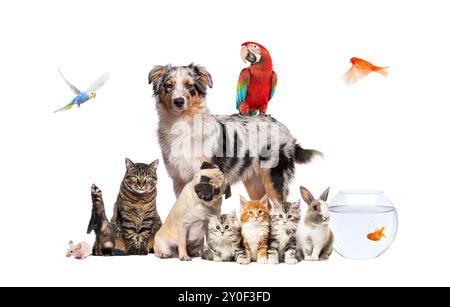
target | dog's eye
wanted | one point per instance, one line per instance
(217, 227)
(190, 86)
(226, 227)
(168, 86)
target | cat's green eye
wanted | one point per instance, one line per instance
(148, 178)
(134, 178)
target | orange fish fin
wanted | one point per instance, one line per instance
(382, 71)
(354, 74)
(381, 232)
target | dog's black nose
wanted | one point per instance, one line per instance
(178, 102)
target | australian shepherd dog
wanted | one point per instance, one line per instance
(258, 150)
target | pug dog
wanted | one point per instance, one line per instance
(182, 234)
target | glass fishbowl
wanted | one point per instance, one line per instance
(364, 223)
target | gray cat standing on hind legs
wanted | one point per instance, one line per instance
(135, 220)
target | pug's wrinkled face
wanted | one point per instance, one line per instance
(211, 184)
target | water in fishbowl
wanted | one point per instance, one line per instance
(363, 232)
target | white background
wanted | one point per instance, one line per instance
(387, 134)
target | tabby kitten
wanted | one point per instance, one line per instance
(284, 221)
(255, 230)
(135, 218)
(223, 239)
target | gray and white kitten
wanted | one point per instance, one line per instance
(223, 239)
(284, 221)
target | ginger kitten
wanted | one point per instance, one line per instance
(255, 230)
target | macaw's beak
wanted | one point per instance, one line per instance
(244, 53)
(247, 55)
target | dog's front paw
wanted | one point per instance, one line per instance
(241, 259)
(185, 258)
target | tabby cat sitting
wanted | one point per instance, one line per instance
(135, 220)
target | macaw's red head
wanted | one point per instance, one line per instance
(255, 53)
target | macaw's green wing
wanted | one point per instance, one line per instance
(66, 107)
(99, 82)
(274, 85)
(242, 86)
(73, 87)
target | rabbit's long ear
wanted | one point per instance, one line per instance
(324, 195)
(306, 195)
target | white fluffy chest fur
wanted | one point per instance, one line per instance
(185, 142)
(283, 240)
(317, 235)
(253, 233)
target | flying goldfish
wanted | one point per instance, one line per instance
(361, 68)
(376, 235)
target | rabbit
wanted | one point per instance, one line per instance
(80, 251)
(314, 237)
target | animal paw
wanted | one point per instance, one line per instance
(272, 260)
(139, 250)
(242, 260)
(262, 260)
(290, 261)
(95, 191)
(163, 256)
(185, 258)
(308, 258)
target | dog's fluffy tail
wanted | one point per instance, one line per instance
(305, 155)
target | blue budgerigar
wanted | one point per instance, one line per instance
(86, 95)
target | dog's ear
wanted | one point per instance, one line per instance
(203, 78)
(208, 165)
(155, 77)
(228, 191)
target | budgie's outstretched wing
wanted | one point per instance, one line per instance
(73, 87)
(242, 86)
(273, 87)
(99, 82)
(66, 107)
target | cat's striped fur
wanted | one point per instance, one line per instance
(135, 220)
(284, 221)
(223, 239)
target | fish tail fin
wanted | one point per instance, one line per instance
(381, 232)
(383, 71)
